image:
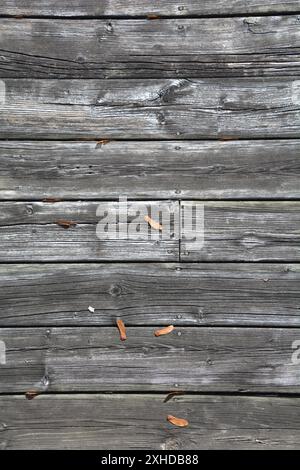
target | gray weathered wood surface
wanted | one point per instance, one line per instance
(155, 294)
(246, 231)
(146, 170)
(233, 231)
(31, 232)
(174, 103)
(132, 8)
(118, 421)
(226, 47)
(158, 109)
(193, 359)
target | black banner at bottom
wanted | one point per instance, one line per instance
(134, 459)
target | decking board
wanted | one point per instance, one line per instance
(130, 422)
(183, 48)
(193, 359)
(111, 8)
(171, 105)
(150, 294)
(33, 231)
(250, 169)
(156, 109)
(243, 231)
(233, 231)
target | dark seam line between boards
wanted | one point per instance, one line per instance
(152, 261)
(147, 199)
(160, 392)
(149, 327)
(146, 139)
(149, 14)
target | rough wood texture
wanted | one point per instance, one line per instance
(226, 47)
(203, 169)
(233, 231)
(31, 231)
(245, 231)
(106, 422)
(155, 294)
(212, 104)
(192, 359)
(111, 8)
(160, 109)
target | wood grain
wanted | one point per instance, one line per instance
(179, 105)
(242, 231)
(111, 8)
(183, 48)
(106, 422)
(150, 294)
(233, 231)
(150, 170)
(32, 232)
(157, 109)
(191, 359)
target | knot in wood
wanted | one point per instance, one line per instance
(45, 381)
(161, 118)
(109, 28)
(80, 59)
(115, 290)
(29, 210)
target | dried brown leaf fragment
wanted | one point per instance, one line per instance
(122, 330)
(65, 223)
(153, 17)
(153, 223)
(102, 142)
(180, 422)
(31, 394)
(51, 200)
(164, 331)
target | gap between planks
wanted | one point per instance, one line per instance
(146, 17)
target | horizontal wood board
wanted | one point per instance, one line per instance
(130, 422)
(248, 169)
(193, 359)
(147, 8)
(186, 48)
(150, 294)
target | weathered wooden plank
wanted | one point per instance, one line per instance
(166, 169)
(233, 231)
(111, 8)
(161, 109)
(31, 231)
(248, 231)
(192, 359)
(225, 47)
(150, 294)
(105, 422)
